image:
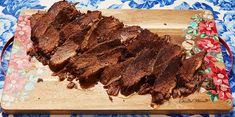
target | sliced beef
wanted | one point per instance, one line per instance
(101, 47)
(140, 67)
(145, 39)
(49, 41)
(113, 88)
(89, 66)
(147, 84)
(65, 16)
(166, 82)
(106, 26)
(126, 33)
(90, 47)
(80, 26)
(40, 27)
(190, 66)
(62, 55)
(164, 56)
(114, 72)
(58, 6)
(57, 15)
(35, 18)
(188, 79)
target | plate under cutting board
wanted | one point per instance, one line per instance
(23, 94)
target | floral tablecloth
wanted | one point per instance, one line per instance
(223, 11)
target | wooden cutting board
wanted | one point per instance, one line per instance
(23, 94)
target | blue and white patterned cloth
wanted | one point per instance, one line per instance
(223, 11)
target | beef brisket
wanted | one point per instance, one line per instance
(58, 6)
(145, 39)
(191, 64)
(35, 18)
(164, 56)
(62, 55)
(114, 72)
(40, 27)
(188, 79)
(87, 66)
(65, 16)
(126, 33)
(141, 66)
(106, 26)
(91, 48)
(79, 27)
(166, 82)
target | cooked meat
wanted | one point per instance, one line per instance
(114, 72)
(80, 26)
(49, 41)
(145, 39)
(106, 26)
(65, 16)
(190, 66)
(141, 66)
(40, 27)
(188, 79)
(101, 47)
(58, 6)
(56, 15)
(146, 85)
(89, 48)
(35, 18)
(166, 82)
(113, 88)
(89, 65)
(125, 34)
(62, 55)
(164, 56)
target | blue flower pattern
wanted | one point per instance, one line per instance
(223, 11)
(147, 4)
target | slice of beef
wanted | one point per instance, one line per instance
(113, 88)
(190, 66)
(58, 15)
(80, 26)
(188, 78)
(40, 27)
(146, 85)
(140, 67)
(65, 16)
(79, 29)
(35, 18)
(145, 39)
(106, 26)
(114, 72)
(111, 77)
(46, 46)
(49, 41)
(58, 6)
(62, 55)
(164, 56)
(87, 66)
(103, 46)
(126, 33)
(166, 82)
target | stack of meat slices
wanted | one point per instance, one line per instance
(91, 48)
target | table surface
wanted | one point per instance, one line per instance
(223, 11)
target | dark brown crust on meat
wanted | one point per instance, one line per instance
(90, 48)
